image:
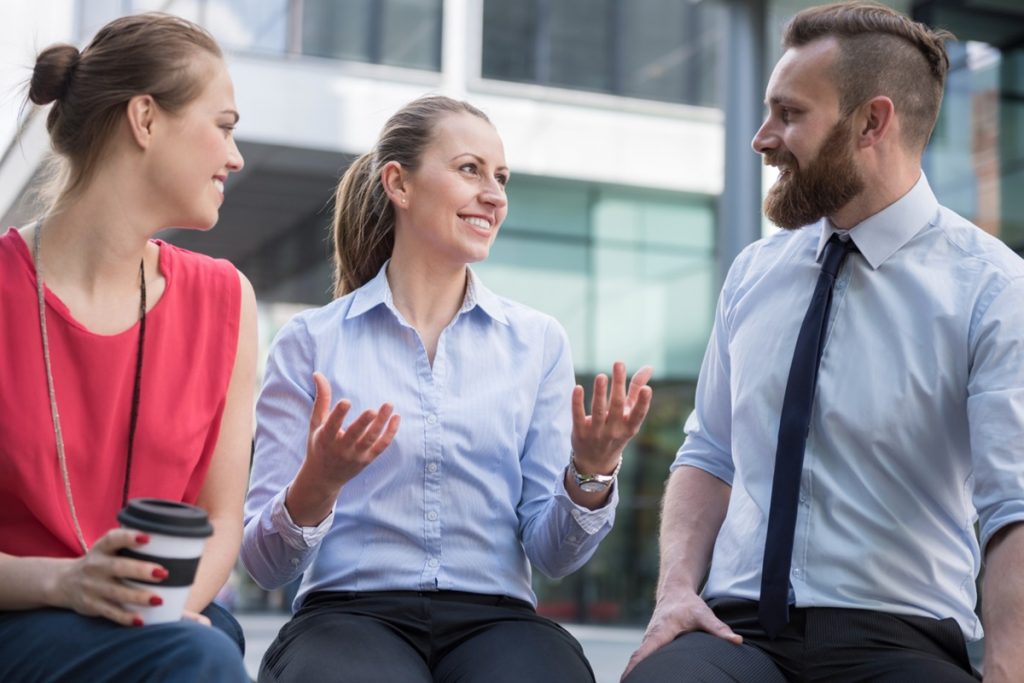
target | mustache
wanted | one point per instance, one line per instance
(780, 158)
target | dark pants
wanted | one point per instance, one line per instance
(411, 637)
(819, 644)
(59, 645)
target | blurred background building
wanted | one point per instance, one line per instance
(627, 126)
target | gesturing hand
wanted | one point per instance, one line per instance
(598, 439)
(337, 455)
(91, 585)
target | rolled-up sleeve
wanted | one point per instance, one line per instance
(995, 409)
(709, 427)
(274, 549)
(558, 535)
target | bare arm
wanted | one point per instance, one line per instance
(1003, 605)
(693, 509)
(223, 490)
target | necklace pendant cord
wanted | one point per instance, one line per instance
(54, 413)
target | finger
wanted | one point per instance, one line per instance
(116, 539)
(385, 439)
(321, 401)
(640, 408)
(579, 411)
(189, 615)
(332, 426)
(707, 621)
(639, 381)
(356, 429)
(599, 401)
(653, 640)
(375, 428)
(618, 397)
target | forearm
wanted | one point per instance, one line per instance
(694, 507)
(28, 582)
(218, 561)
(563, 537)
(1003, 605)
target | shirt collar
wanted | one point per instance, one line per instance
(377, 292)
(880, 236)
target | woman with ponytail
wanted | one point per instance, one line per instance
(127, 364)
(415, 541)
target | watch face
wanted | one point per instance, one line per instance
(593, 486)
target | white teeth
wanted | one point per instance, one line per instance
(478, 222)
(219, 184)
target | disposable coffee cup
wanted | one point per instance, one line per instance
(177, 533)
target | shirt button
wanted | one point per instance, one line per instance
(797, 571)
(295, 562)
(433, 562)
(431, 419)
(432, 515)
(573, 538)
(432, 467)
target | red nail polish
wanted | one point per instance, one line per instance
(136, 621)
(156, 600)
(142, 538)
(160, 573)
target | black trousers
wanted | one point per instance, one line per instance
(428, 637)
(819, 644)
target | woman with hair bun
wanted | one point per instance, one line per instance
(128, 364)
(415, 542)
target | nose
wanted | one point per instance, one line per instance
(235, 161)
(765, 139)
(493, 193)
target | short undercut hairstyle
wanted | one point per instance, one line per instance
(881, 52)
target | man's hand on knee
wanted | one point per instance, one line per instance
(674, 615)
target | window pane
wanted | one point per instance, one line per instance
(412, 34)
(579, 44)
(255, 25)
(337, 28)
(510, 40)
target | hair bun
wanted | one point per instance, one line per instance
(55, 67)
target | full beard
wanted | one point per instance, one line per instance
(828, 183)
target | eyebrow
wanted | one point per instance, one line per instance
(232, 112)
(479, 159)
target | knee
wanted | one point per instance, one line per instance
(203, 653)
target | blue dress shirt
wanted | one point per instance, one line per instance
(470, 491)
(917, 429)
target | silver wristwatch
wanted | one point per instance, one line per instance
(593, 483)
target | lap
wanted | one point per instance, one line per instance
(513, 651)
(700, 657)
(55, 644)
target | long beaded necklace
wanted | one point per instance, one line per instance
(136, 391)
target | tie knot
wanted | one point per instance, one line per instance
(836, 251)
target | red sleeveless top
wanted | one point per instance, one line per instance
(190, 346)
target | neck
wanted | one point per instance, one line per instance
(881, 190)
(428, 295)
(95, 246)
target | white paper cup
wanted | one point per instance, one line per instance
(177, 533)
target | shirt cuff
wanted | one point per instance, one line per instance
(590, 521)
(298, 537)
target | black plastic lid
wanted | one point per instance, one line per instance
(160, 516)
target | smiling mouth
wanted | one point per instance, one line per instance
(219, 184)
(477, 222)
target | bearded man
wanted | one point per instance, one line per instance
(861, 401)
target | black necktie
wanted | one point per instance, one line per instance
(773, 609)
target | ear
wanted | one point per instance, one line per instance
(394, 179)
(877, 121)
(141, 113)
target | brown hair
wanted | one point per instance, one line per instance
(143, 54)
(881, 52)
(364, 220)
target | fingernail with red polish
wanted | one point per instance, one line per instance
(160, 573)
(136, 621)
(156, 600)
(142, 538)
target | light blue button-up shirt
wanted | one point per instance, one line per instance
(472, 488)
(917, 428)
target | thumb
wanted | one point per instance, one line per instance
(321, 401)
